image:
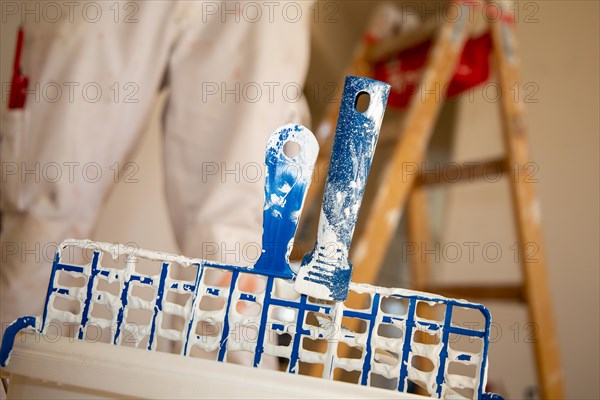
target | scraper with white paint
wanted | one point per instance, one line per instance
(325, 272)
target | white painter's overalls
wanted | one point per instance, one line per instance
(234, 77)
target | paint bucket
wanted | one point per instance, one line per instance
(44, 367)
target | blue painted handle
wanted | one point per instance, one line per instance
(286, 184)
(326, 271)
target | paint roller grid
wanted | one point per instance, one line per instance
(128, 324)
(228, 314)
(316, 334)
(278, 316)
(66, 293)
(54, 317)
(209, 312)
(454, 382)
(244, 306)
(101, 316)
(292, 328)
(379, 338)
(179, 295)
(465, 355)
(426, 344)
(354, 340)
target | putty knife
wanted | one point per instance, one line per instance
(325, 272)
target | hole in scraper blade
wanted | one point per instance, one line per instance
(291, 149)
(363, 99)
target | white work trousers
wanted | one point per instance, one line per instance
(234, 74)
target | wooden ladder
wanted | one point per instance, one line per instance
(373, 239)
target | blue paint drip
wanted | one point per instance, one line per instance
(466, 332)
(357, 314)
(440, 379)
(298, 335)
(88, 297)
(225, 333)
(159, 298)
(260, 346)
(145, 280)
(247, 297)
(50, 288)
(195, 297)
(486, 342)
(491, 396)
(406, 346)
(304, 306)
(69, 268)
(364, 377)
(386, 319)
(429, 325)
(8, 339)
(121, 312)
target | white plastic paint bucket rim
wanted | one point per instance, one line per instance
(84, 366)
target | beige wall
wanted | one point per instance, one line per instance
(560, 55)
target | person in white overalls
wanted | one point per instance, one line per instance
(235, 71)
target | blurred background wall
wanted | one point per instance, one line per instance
(560, 55)
(559, 49)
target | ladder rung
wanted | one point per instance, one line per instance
(468, 172)
(507, 292)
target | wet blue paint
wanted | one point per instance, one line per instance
(88, 296)
(364, 377)
(195, 298)
(491, 396)
(158, 304)
(247, 297)
(486, 342)
(406, 347)
(120, 313)
(260, 340)
(440, 379)
(294, 357)
(225, 333)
